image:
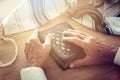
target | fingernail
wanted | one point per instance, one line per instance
(71, 65)
(69, 29)
(64, 37)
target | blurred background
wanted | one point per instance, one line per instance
(7, 5)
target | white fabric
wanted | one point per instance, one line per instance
(32, 73)
(30, 14)
(20, 19)
(113, 23)
(110, 9)
(117, 57)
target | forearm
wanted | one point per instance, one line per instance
(110, 55)
(114, 43)
(107, 52)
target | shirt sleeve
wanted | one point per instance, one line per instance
(32, 73)
(117, 57)
(112, 25)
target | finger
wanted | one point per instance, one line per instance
(33, 62)
(47, 42)
(74, 34)
(75, 40)
(29, 55)
(27, 48)
(80, 62)
(33, 40)
(30, 63)
(34, 36)
(77, 31)
(35, 33)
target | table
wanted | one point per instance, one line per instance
(52, 71)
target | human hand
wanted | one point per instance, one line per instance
(97, 52)
(37, 52)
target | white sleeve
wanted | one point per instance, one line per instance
(32, 73)
(117, 57)
(112, 25)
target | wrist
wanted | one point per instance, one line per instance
(112, 54)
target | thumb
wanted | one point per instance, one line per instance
(48, 40)
(35, 33)
(34, 36)
(80, 62)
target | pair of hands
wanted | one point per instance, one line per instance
(96, 51)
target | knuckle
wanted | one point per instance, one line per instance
(74, 38)
(77, 35)
(46, 46)
(77, 63)
(32, 40)
(27, 43)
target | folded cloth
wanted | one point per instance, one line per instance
(32, 73)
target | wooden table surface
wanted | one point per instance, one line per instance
(52, 71)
